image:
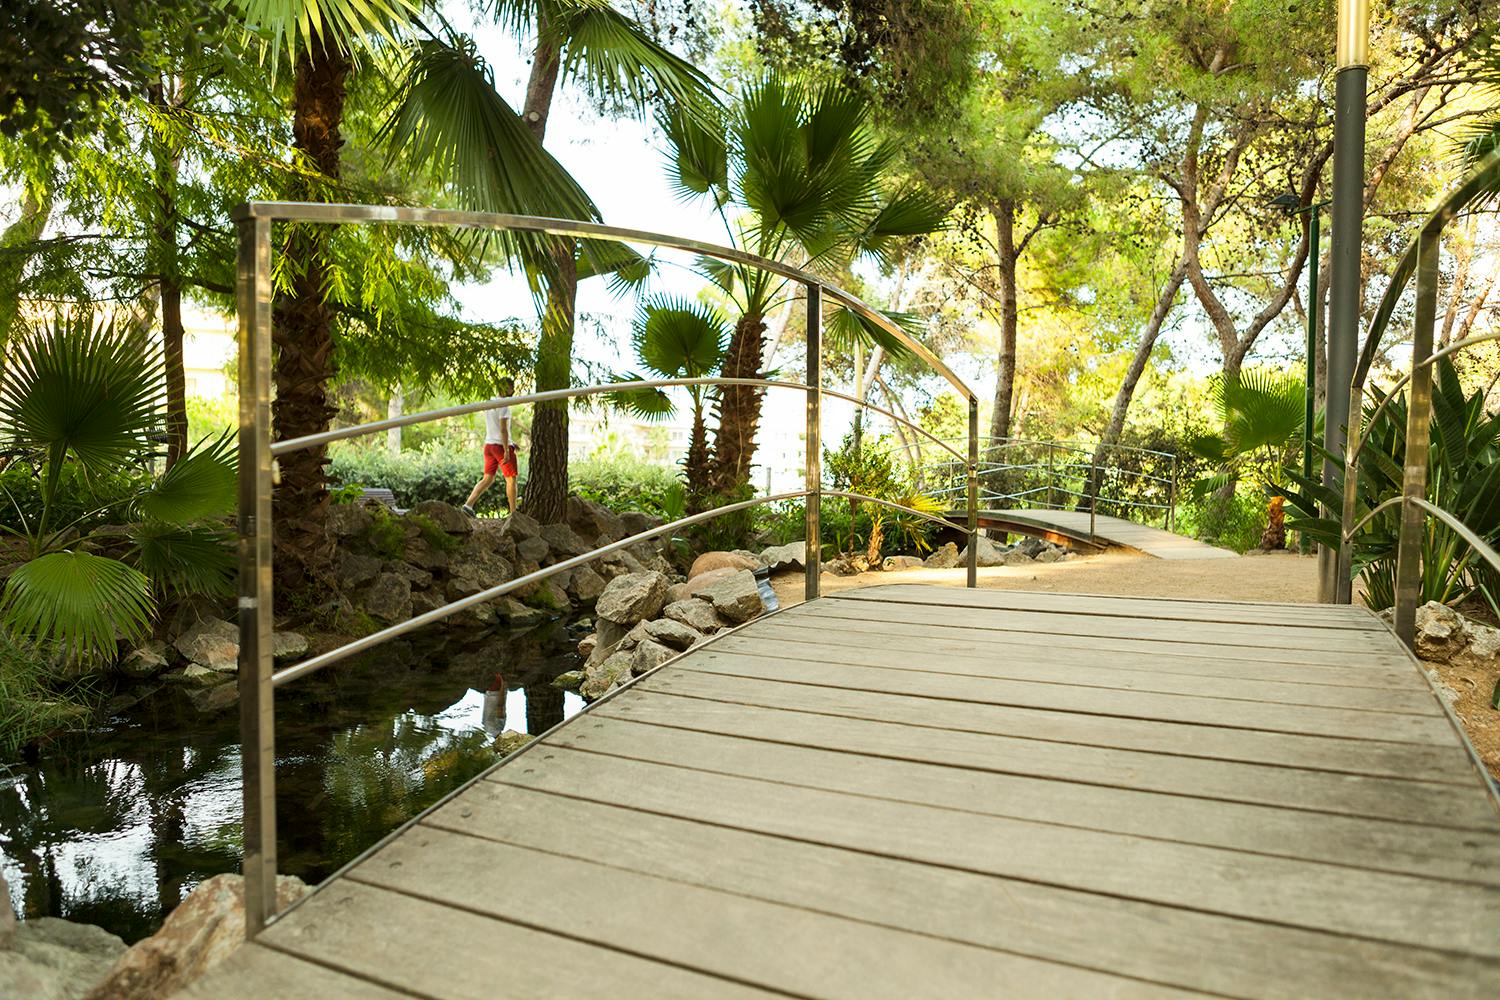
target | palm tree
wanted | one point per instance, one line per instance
(324, 38)
(1262, 414)
(676, 338)
(579, 41)
(92, 393)
(809, 183)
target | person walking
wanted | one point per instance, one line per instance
(499, 452)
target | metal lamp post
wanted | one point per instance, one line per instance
(1348, 232)
(1292, 205)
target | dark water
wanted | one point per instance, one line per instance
(115, 828)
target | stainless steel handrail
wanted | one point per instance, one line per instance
(258, 679)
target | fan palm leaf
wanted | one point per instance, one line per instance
(82, 602)
(189, 560)
(677, 338)
(845, 328)
(202, 484)
(305, 25)
(610, 54)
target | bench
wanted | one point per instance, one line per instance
(381, 495)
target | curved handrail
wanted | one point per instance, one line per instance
(334, 213)
(1358, 443)
(315, 663)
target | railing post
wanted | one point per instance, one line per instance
(257, 697)
(813, 506)
(1095, 473)
(1172, 498)
(973, 561)
(1051, 476)
(1418, 428)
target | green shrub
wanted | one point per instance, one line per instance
(1236, 523)
(78, 494)
(444, 470)
(628, 483)
(33, 702)
(387, 535)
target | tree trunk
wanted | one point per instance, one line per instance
(28, 227)
(394, 408)
(696, 466)
(546, 495)
(302, 329)
(171, 343)
(739, 407)
(166, 163)
(1005, 367)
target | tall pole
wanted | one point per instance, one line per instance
(1309, 408)
(813, 504)
(1348, 233)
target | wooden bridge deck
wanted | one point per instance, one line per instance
(914, 792)
(1073, 525)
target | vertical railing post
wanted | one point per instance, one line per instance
(1051, 477)
(1172, 498)
(1418, 429)
(257, 697)
(813, 505)
(1095, 474)
(973, 561)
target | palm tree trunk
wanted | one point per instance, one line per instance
(739, 407)
(1005, 368)
(696, 466)
(302, 329)
(166, 164)
(171, 342)
(36, 209)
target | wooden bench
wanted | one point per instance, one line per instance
(381, 495)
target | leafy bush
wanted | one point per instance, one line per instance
(79, 493)
(442, 470)
(1236, 523)
(32, 702)
(628, 483)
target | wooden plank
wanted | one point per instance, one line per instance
(450, 953)
(1337, 616)
(1432, 728)
(821, 613)
(1068, 667)
(1371, 905)
(1224, 635)
(1450, 764)
(1005, 651)
(1152, 541)
(1148, 941)
(255, 972)
(1379, 845)
(1229, 781)
(784, 948)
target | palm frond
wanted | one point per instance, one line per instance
(78, 600)
(191, 560)
(699, 157)
(911, 213)
(1260, 408)
(202, 484)
(92, 389)
(844, 328)
(722, 273)
(648, 404)
(678, 338)
(349, 26)
(614, 58)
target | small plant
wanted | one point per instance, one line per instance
(33, 702)
(431, 533)
(387, 535)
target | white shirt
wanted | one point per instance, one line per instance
(494, 425)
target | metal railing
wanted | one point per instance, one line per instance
(1413, 503)
(258, 680)
(1065, 475)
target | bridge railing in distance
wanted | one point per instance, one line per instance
(1413, 503)
(1131, 482)
(258, 680)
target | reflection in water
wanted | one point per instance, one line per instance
(117, 827)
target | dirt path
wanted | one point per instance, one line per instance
(1280, 577)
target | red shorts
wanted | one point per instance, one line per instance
(498, 457)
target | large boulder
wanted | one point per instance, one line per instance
(204, 930)
(288, 646)
(388, 598)
(793, 555)
(695, 614)
(51, 959)
(736, 596)
(600, 677)
(594, 520)
(585, 585)
(1031, 547)
(894, 564)
(212, 643)
(943, 557)
(634, 522)
(355, 569)
(478, 569)
(1441, 632)
(630, 598)
(564, 541)
(710, 561)
(444, 515)
(146, 661)
(988, 553)
(532, 548)
(673, 634)
(648, 655)
(348, 520)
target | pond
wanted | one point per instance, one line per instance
(116, 827)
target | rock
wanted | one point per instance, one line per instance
(634, 522)
(632, 638)
(587, 643)
(649, 655)
(147, 661)
(710, 578)
(695, 614)
(203, 931)
(477, 570)
(1484, 647)
(388, 598)
(421, 554)
(594, 520)
(212, 643)
(679, 592)
(423, 601)
(547, 595)
(415, 575)
(1441, 632)
(209, 700)
(736, 596)
(564, 541)
(355, 569)
(445, 516)
(630, 598)
(609, 633)
(585, 586)
(520, 526)
(989, 554)
(510, 741)
(288, 646)
(51, 959)
(944, 557)
(197, 675)
(783, 557)
(710, 561)
(532, 548)
(846, 565)
(599, 678)
(570, 680)
(1030, 547)
(673, 634)
(517, 615)
(348, 520)
(1051, 555)
(895, 564)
